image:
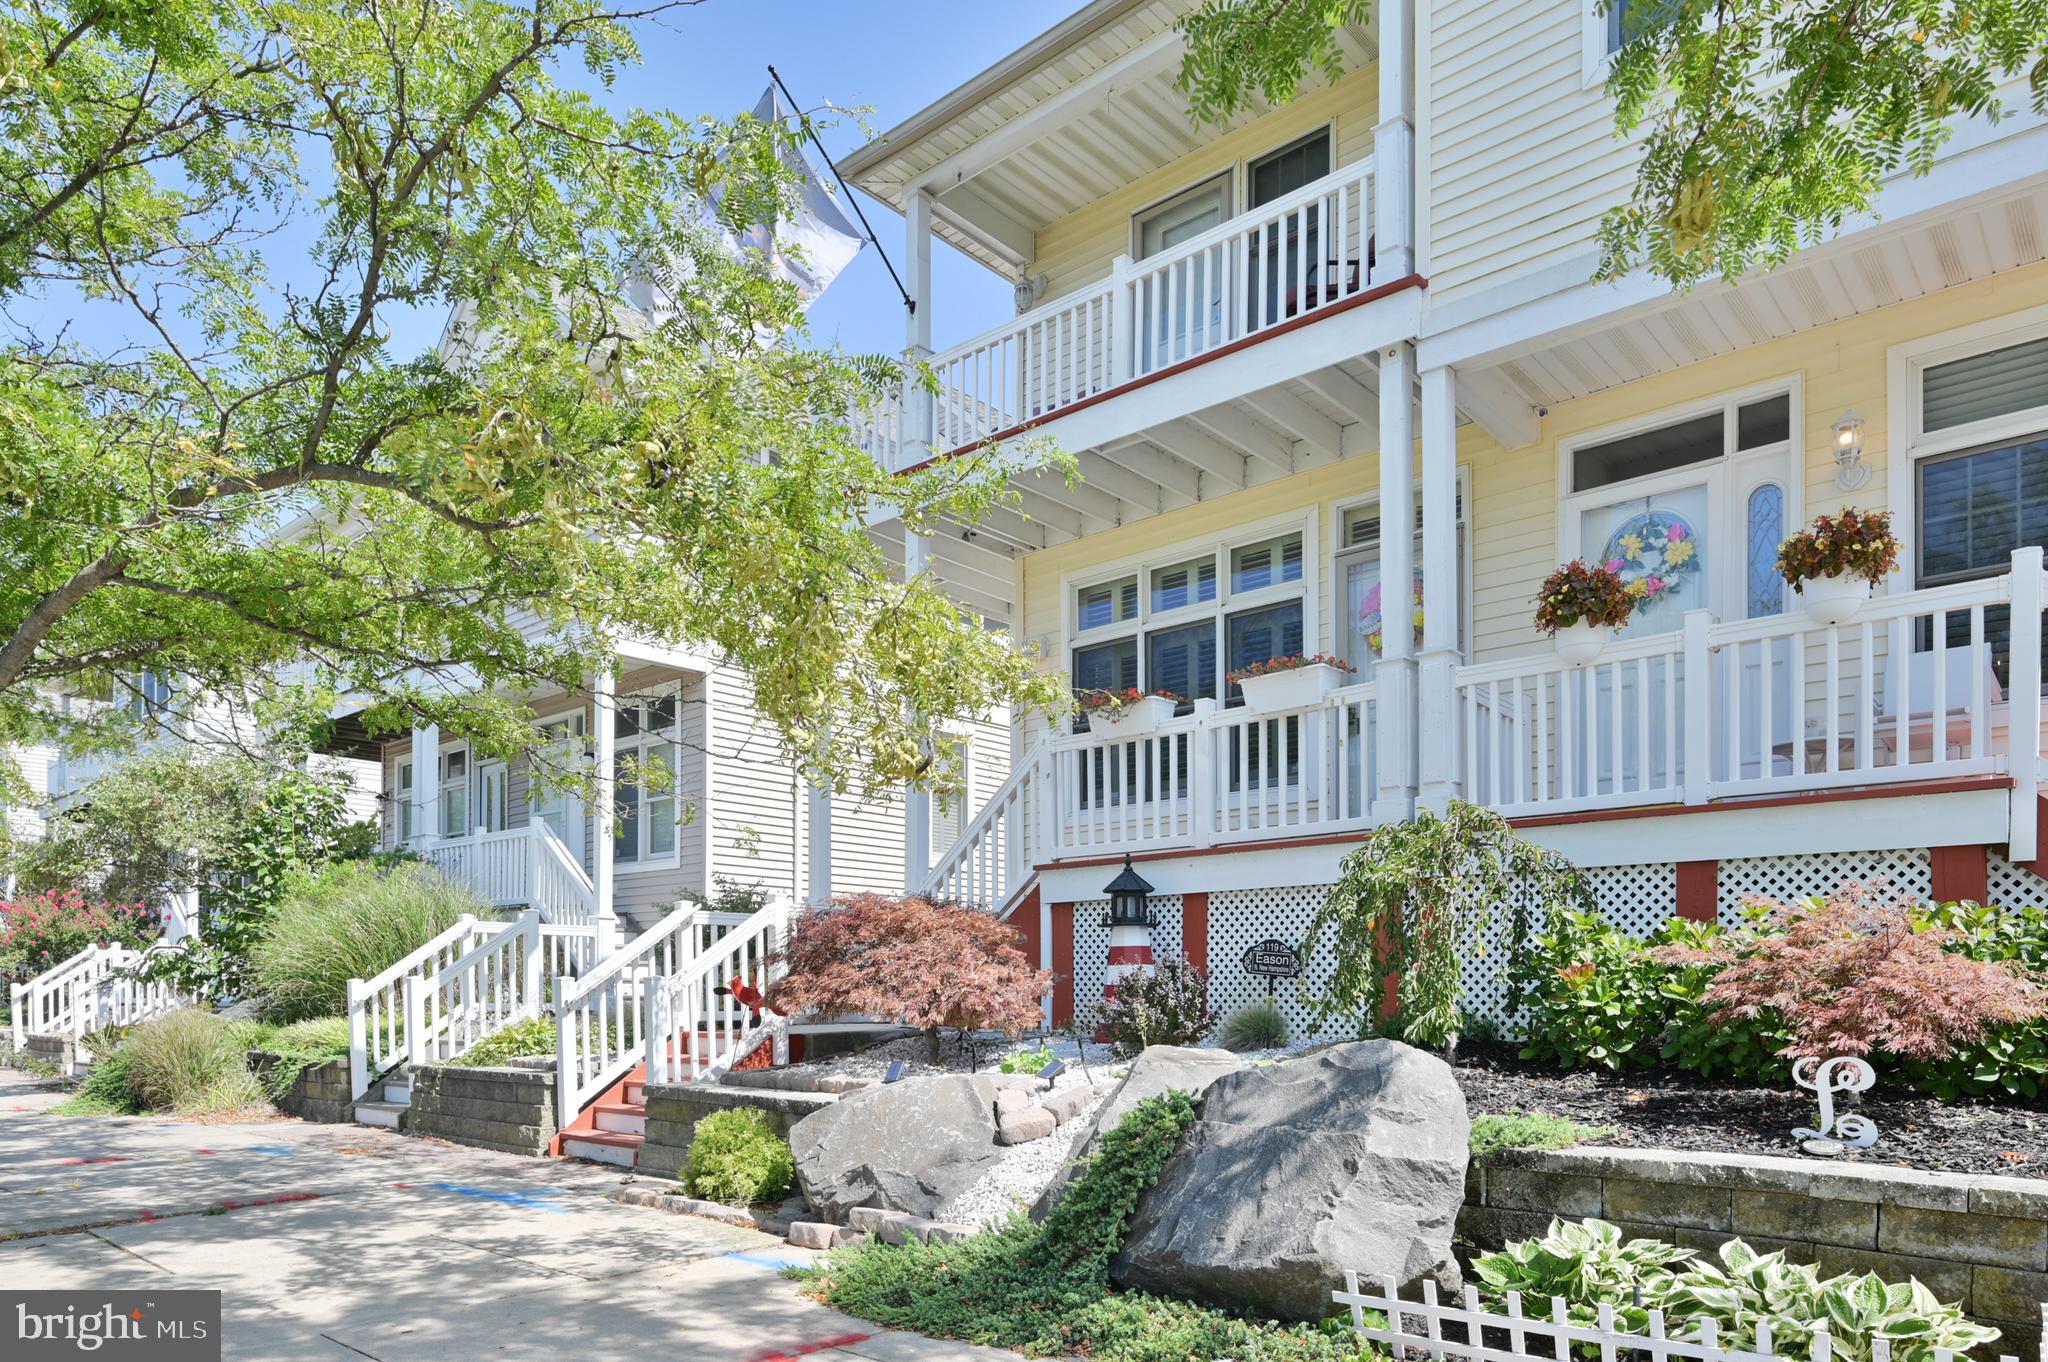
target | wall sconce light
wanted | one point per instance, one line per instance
(1851, 473)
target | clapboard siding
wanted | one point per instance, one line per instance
(754, 795)
(36, 765)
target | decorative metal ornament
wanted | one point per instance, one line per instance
(1825, 1078)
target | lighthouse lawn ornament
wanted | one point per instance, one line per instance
(1130, 924)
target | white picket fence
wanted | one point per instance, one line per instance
(1466, 1331)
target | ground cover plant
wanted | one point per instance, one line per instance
(533, 1036)
(187, 1063)
(297, 1047)
(1044, 1289)
(1947, 999)
(1495, 1131)
(738, 1159)
(1588, 1264)
(933, 966)
(349, 921)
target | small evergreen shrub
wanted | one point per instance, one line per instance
(105, 1090)
(1529, 1130)
(348, 921)
(737, 1159)
(1259, 1025)
(1166, 1005)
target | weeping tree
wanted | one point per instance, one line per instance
(231, 444)
(1419, 899)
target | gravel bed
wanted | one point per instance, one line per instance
(1025, 1171)
(1679, 1111)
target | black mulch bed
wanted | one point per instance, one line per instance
(1677, 1111)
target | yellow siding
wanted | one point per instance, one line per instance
(1078, 249)
(1842, 366)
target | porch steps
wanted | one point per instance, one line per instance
(387, 1110)
(617, 1125)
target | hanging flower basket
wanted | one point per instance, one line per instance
(1580, 607)
(1291, 682)
(1835, 562)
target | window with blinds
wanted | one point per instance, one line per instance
(1184, 584)
(2003, 382)
(1106, 603)
(1270, 562)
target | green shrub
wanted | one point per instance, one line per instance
(533, 1036)
(1026, 1061)
(187, 1063)
(105, 1091)
(738, 1159)
(1044, 1290)
(1257, 1025)
(297, 1047)
(1589, 1264)
(349, 921)
(1530, 1130)
(1165, 1005)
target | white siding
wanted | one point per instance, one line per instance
(37, 765)
(754, 802)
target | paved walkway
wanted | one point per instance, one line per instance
(341, 1242)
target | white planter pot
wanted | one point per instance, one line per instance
(1831, 601)
(1135, 719)
(1295, 688)
(1581, 643)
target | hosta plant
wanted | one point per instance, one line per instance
(1586, 1264)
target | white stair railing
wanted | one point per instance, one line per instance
(995, 853)
(376, 1007)
(101, 986)
(495, 983)
(695, 1026)
(561, 888)
(601, 1016)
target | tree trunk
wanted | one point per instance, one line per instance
(931, 1045)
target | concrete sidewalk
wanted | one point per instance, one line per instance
(345, 1242)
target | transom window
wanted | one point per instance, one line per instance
(644, 766)
(1199, 618)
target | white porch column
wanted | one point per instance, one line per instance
(1436, 726)
(426, 782)
(1395, 673)
(917, 801)
(604, 813)
(915, 427)
(1393, 145)
(819, 859)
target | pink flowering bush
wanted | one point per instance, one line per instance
(36, 933)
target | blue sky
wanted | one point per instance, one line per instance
(894, 58)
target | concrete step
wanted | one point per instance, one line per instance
(399, 1090)
(621, 1118)
(603, 1146)
(386, 1114)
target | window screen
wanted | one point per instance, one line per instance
(1996, 383)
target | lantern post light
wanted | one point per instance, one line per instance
(1130, 922)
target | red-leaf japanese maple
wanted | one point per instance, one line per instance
(929, 965)
(1851, 976)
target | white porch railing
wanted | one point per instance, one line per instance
(1302, 253)
(1213, 776)
(498, 981)
(1465, 1331)
(99, 987)
(693, 1030)
(1905, 691)
(602, 1016)
(377, 1010)
(520, 867)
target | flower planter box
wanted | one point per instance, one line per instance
(1295, 688)
(1133, 720)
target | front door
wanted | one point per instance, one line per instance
(1181, 309)
(561, 751)
(490, 797)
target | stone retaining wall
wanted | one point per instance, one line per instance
(511, 1110)
(319, 1093)
(1981, 1241)
(673, 1110)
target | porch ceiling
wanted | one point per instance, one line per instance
(1057, 125)
(1880, 267)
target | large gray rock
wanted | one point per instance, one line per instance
(1352, 1158)
(1157, 1069)
(908, 1146)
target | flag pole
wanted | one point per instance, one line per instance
(851, 201)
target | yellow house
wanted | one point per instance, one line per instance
(1227, 326)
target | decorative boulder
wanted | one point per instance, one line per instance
(1351, 1158)
(1157, 1069)
(910, 1146)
